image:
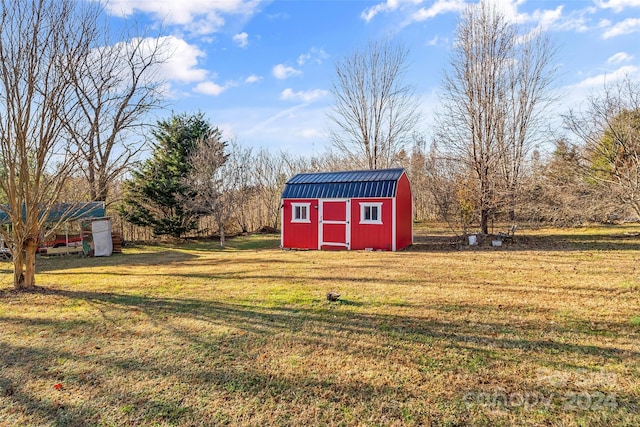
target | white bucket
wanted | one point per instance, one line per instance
(473, 240)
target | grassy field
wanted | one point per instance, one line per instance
(545, 331)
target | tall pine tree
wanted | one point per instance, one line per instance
(152, 196)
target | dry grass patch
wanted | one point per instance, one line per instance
(542, 332)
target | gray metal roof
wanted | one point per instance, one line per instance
(64, 211)
(345, 184)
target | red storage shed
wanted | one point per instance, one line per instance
(370, 209)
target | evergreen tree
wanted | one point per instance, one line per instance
(153, 195)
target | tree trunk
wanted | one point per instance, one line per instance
(512, 206)
(24, 265)
(18, 269)
(91, 177)
(484, 221)
(636, 208)
(512, 202)
(103, 189)
(101, 195)
(221, 231)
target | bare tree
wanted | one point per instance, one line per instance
(418, 167)
(42, 42)
(241, 166)
(560, 192)
(271, 172)
(236, 187)
(375, 112)
(530, 76)
(609, 127)
(493, 94)
(218, 179)
(441, 185)
(116, 86)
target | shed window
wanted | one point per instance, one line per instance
(300, 212)
(370, 213)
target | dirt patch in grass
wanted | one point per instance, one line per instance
(196, 335)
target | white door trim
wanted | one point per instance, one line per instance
(346, 222)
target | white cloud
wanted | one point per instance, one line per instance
(438, 8)
(177, 60)
(573, 96)
(434, 41)
(241, 39)
(210, 88)
(315, 55)
(181, 68)
(628, 26)
(619, 58)
(388, 6)
(182, 64)
(282, 72)
(305, 96)
(197, 16)
(578, 20)
(509, 8)
(604, 23)
(601, 79)
(548, 18)
(309, 133)
(303, 58)
(541, 19)
(617, 5)
(557, 18)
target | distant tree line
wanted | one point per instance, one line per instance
(196, 183)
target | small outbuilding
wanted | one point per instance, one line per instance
(367, 210)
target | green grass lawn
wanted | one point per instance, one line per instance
(544, 331)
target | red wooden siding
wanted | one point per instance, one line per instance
(300, 235)
(404, 209)
(334, 233)
(334, 210)
(375, 236)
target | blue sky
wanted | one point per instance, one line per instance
(262, 70)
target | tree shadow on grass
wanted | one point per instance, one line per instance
(33, 362)
(150, 258)
(244, 385)
(165, 257)
(247, 242)
(233, 364)
(253, 319)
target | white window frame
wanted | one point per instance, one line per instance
(307, 207)
(364, 205)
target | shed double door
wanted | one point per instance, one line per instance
(334, 227)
